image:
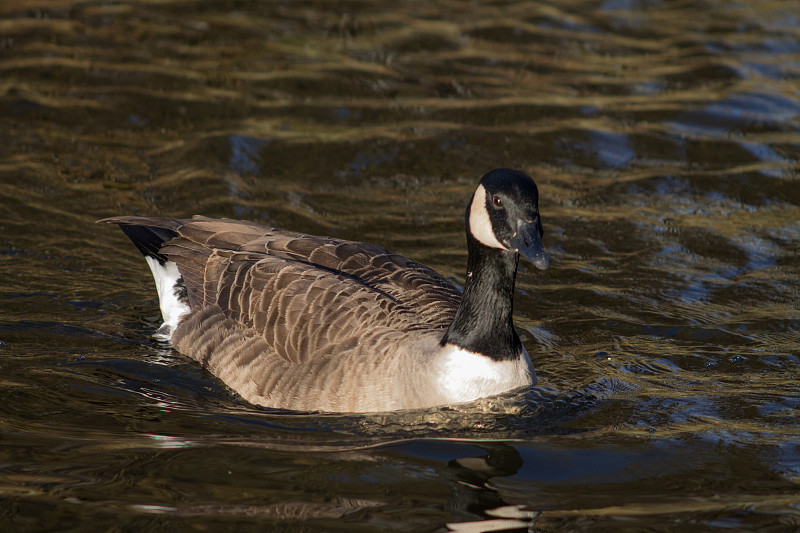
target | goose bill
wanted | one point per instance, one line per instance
(528, 243)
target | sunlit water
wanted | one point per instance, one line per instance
(664, 139)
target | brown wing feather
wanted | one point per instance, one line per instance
(305, 294)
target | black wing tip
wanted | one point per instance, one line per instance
(148, 234)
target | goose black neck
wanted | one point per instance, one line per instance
(483, 322)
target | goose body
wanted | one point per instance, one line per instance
(301, 322)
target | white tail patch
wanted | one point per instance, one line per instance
(480, 225)
(168, 288)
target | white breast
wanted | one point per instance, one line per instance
(465, 376)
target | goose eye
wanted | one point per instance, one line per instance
(497, 201)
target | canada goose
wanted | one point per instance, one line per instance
(310, 323)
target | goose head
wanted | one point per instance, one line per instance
(504, 214)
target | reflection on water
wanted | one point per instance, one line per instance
(663, 136)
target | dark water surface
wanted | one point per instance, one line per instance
(665, 138)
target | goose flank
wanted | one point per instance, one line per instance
(310, 323)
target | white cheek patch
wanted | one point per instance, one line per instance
(480, 225)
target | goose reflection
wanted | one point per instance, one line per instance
(474, 494)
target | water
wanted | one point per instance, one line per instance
(664, 139)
